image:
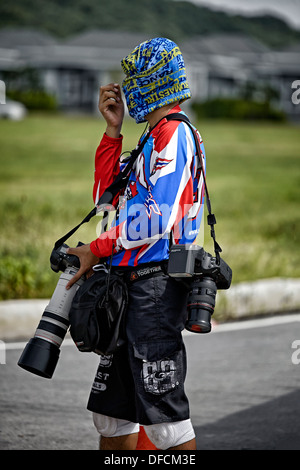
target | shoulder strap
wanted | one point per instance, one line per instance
(108, 196)
(211, 219)
(122, 179)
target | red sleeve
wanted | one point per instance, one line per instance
(106, 164)
(103, 245)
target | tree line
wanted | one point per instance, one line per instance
(174, 19)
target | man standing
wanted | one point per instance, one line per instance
(143, 383)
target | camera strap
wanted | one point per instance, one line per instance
(108, 196)
(122, 179)
(211, 219)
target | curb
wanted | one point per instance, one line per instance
(19, 318)
(263, 297)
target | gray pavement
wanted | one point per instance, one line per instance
(245, 391)
(243, 384)
(19, 318)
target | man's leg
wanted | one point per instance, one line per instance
(116, 434)
(128, 442)
(190, 445)
(179, 435)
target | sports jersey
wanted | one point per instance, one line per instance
(163, 200)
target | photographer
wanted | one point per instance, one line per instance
(143, 383)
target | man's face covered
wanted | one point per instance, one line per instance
(155, 77)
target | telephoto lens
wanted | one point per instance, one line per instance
(41, 353)
(201, 305)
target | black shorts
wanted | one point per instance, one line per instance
(144, 381)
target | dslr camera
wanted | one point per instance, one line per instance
(206, 275)
(41, 353)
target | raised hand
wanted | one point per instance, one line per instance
(111, 107)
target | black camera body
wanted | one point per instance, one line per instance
(60, 259)
(41, 353)
(206, 275)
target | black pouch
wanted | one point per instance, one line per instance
(97, 314)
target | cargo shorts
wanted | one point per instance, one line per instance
(143, 382)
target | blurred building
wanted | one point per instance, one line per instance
(72, 70)
(231, 65)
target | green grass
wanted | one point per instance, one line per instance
(253, 173)
(46, 181)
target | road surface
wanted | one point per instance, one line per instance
(243, 384)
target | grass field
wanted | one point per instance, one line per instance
(47, 176)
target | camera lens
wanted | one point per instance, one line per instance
(41, 353)
(201, 304)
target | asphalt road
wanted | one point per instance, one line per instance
(243, 383)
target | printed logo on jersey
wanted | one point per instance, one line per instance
(159, 164)
(151, 205)
(131, 190)
(140, 171)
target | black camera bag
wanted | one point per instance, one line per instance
(97, 314)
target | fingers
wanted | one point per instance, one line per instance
(109, 94)
(111, 107)
(75, 278)
(72, 251)
(87, 261)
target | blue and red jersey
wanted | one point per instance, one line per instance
(163, 201)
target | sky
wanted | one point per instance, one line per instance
(288, 10)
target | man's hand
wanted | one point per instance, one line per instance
(111, 107)
(87, 261)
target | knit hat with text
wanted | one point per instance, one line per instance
(155, 77)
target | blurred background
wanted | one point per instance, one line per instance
(243, 66)
(54, 54)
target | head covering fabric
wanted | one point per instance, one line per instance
(155, 76)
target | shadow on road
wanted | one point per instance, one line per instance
(274, 425)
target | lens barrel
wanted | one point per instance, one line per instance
(39, 357)
(200, 305)
(41, 353)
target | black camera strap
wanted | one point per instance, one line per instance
(123, 177)
(108, 196)
(211, 219)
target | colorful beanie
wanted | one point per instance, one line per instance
(155, 76)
